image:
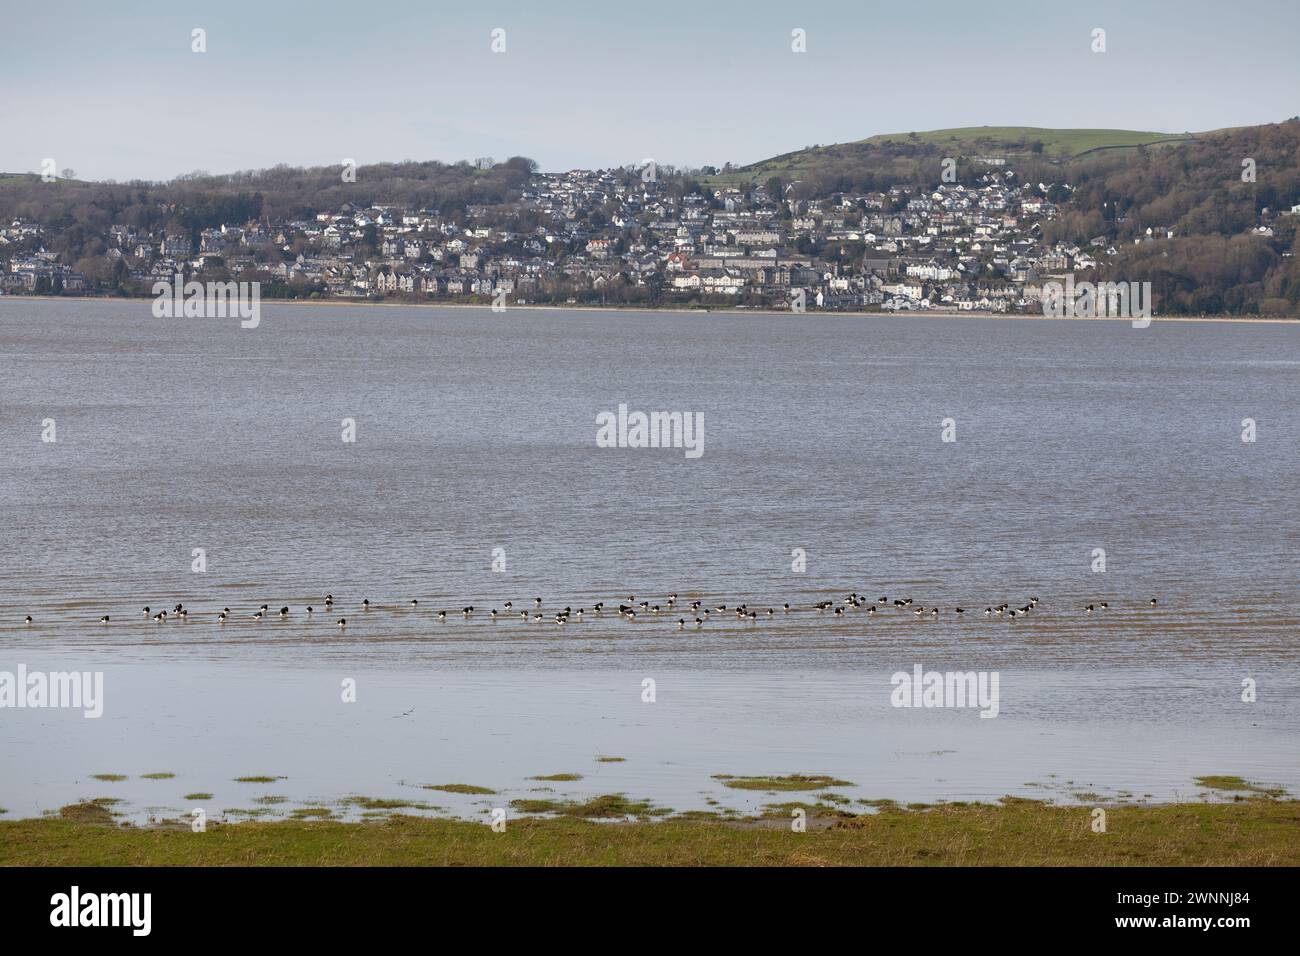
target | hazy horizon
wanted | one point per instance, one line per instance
(117, 93)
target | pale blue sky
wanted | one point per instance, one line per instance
(113, 91)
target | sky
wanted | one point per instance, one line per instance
(114, 91)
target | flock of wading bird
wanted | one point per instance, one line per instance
(698, 614)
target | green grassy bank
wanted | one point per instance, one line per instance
(1250, 832)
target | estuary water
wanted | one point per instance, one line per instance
(199, 463)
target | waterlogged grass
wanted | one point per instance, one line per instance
(109, 777)
(829, 797)
(157, 776)
(259, 779)
(535, 805)
(558, 777)
(198, 796)
(457, 788)
(606, 807)
(1232, 783)
(785, 809)
(1255, 832)
(271, 800)
(378, 803)
(610, 759)
(796, 781)
(1222, 781)
(88, 811)
(313, 813)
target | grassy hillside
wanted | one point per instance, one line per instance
(1014, 139)
(895, 151)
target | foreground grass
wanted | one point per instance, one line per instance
(1256, 832)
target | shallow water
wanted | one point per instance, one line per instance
(476, 431)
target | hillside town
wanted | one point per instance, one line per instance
(614, 236)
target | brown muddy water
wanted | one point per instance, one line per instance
(477, 431)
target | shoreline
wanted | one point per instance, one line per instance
(710, 310)
(1016, 832)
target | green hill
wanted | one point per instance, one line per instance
(894, 151)
(1017, 139)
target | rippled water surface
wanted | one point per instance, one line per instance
(476, 431)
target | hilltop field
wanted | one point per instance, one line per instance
(1001, 141)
